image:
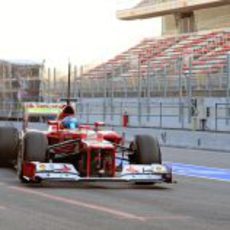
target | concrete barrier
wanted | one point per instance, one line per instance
(167, 137)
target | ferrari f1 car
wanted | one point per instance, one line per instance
(68, 151)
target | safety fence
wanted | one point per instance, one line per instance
(160, 113)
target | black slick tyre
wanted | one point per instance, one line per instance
(146, 150)
(9, 143)
(35, 146)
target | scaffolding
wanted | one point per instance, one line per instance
(19, 81)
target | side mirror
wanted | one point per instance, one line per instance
(85, 127)
(98, 124)
(51, 122)
(53, 125)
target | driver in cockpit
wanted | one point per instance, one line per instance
(70, 122)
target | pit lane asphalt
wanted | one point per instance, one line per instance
(193, 203)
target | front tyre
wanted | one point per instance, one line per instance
(146, 150)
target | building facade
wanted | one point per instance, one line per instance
(182, 16)
(20, 81)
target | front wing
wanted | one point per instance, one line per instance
(154, 173)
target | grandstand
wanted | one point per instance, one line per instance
(192, 56)
(168, 81)
(200, 56)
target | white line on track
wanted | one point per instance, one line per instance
(2, 207)
(96, 207)
(167, 217)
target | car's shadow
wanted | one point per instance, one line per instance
(95, 185)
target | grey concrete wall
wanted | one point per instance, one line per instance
(185, 139)
(167, 137)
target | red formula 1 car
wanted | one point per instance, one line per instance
(72, 152)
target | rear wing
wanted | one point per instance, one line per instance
(45, 109)
(39, 111)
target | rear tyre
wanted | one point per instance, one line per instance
(34, 148)
(146, 150)
(9, 143)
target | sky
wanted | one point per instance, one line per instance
(82, 31)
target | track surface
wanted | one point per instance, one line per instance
(193, 203)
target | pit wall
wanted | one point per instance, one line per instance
(204, 140)
(210, 114)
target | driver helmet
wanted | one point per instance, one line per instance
(70, 122)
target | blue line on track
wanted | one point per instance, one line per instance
(201, 171)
